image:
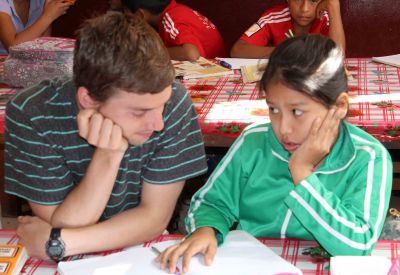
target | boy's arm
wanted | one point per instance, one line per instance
(336, 31)
(185, 51)
(133, 226)
(93, 191)
(243, 49)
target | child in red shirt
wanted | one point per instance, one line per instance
(295, 18)
(186, 33)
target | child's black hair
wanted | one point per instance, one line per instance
(153, 6)
(311, 64)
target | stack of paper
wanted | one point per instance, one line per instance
(393, 60)
(252, 73)
(240, 254)
(202, 68)
(365, 265)
(237, 63)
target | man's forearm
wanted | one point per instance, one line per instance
(85, 204)
(131, 227)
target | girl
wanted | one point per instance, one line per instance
(308, 174)
(22, 20)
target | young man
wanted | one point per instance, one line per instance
(186, 33)
(296, 18)
(104, 157)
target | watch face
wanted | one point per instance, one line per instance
(55, 249)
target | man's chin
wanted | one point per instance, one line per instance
(139, 140)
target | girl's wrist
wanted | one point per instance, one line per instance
(299, 172)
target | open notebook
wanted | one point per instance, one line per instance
(393, 60)
(201, 68)
(240, 254)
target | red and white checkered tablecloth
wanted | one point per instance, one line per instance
(226, 105)
(289, 249)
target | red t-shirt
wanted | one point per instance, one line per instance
(181, 25)
(271, 28)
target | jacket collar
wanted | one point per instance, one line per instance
(341, 155)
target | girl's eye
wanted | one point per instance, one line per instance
(273, 110)
(297, 112)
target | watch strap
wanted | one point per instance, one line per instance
(55, 233)
(55, 241)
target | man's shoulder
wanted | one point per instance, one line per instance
(178, 93)
(39, 94)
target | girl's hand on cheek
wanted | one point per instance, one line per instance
(316, 147)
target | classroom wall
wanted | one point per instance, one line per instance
(371, 26)
(66, 25)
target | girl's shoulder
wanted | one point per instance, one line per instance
(6, 5)
(362, 140)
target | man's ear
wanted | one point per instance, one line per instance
(85, 101)
(342, 103)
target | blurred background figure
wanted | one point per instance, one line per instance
(23, 20)
(115, 5)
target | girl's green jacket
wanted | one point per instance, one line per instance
(342, 205)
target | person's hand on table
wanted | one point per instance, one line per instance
(202, 241)
(33, 233)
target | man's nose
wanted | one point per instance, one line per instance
(156, 120)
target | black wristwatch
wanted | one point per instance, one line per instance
(55, 247)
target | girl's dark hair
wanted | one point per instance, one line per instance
(153, 6)
(120, 51)
(311, 64)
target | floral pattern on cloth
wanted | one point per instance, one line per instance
(42, 58)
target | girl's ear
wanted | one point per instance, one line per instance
(342, 103)
(85, 101)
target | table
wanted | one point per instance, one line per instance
(290, 249)
(225, 105)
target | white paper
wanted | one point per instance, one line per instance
(240, 254)
(236, 63)
(393, 60)
(136, 260)
(363, 265)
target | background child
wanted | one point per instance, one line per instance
(297, 17)
(22, 20)
(186, 33)
(308, 174)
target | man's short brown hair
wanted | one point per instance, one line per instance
(120, 51)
